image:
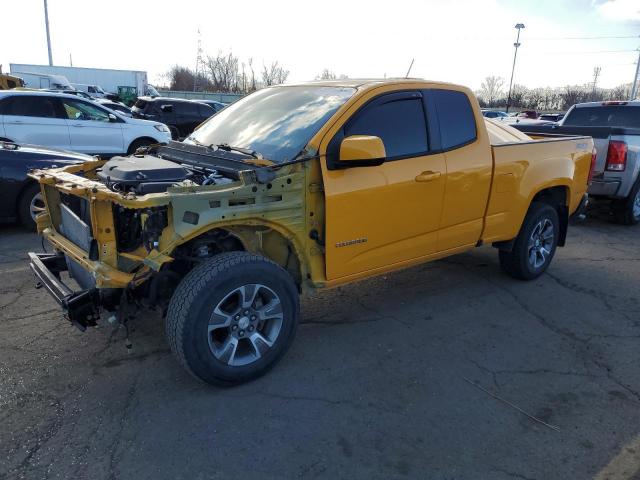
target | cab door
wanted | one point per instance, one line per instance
(378, 216)
(469, 166)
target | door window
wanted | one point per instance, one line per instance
(25, 106)
(205, 110)
(78, 110)
(398, 119)
(186, 108)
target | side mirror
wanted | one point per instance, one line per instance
(166, 108)
(362, 151)
(112, 118)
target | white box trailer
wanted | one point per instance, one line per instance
(108, 79)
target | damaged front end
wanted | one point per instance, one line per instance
(127, 230)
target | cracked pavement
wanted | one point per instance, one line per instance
(376, 385)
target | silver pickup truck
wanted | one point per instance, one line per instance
(615, 128)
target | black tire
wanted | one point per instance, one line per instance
(624, 210)
(175, 133)
(136, 144)
(519, 262)
(24, 205)
(204, 290)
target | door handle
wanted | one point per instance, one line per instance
(428, 176)
(77, 125)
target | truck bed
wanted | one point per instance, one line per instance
(521, 168)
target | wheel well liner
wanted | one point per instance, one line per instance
(256, 239)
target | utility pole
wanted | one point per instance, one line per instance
(198, 61)
(634, 85)
(70, 60)
(519, 26)
(46, 24)
(596, 74)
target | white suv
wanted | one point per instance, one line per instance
(71, 123)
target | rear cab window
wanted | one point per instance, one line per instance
(455, 117)
(626, 116)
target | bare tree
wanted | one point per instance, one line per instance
(326, 75)
(223, 72)
(534, 99)
(621, 92)
(491, 90)
(572, 94)
(182, 78)
(252, 84)
(518, 94)
(274, 74)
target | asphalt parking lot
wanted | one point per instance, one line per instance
(450, 370)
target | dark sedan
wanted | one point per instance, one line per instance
(20, 197)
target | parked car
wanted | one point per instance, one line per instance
(180, 115)
(115, 106)
(497, 114)
(9, 81)
(361, 178)
(551, 117)
(77, 93)
(94, 91)
(532, 114)
(217, 106)
(70, 123)
(20, 197)
(615, 128)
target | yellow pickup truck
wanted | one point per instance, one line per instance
(292, 189)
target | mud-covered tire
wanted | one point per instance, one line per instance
(526, 261)
(627, 211)
(190, 317)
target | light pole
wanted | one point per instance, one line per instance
(46, 24)
(634, 85)
(519, 26)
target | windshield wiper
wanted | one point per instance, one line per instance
(229, 148)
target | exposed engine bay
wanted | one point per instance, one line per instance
(144, 174)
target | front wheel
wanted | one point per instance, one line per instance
(136, 144)
(232, 318)
(535, 245)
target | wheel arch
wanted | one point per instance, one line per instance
(265, 238)
(558, 197)
(26, 184)
(144, 137)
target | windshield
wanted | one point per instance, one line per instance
(605, 116)
(276, 122)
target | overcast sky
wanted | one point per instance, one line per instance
(460, 41)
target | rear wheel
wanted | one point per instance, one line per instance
(535, 245)
(627, 211)
(30, 205)
(232, 318)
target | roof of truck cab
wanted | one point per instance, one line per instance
(366, 82)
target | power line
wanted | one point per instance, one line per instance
(602, 37)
